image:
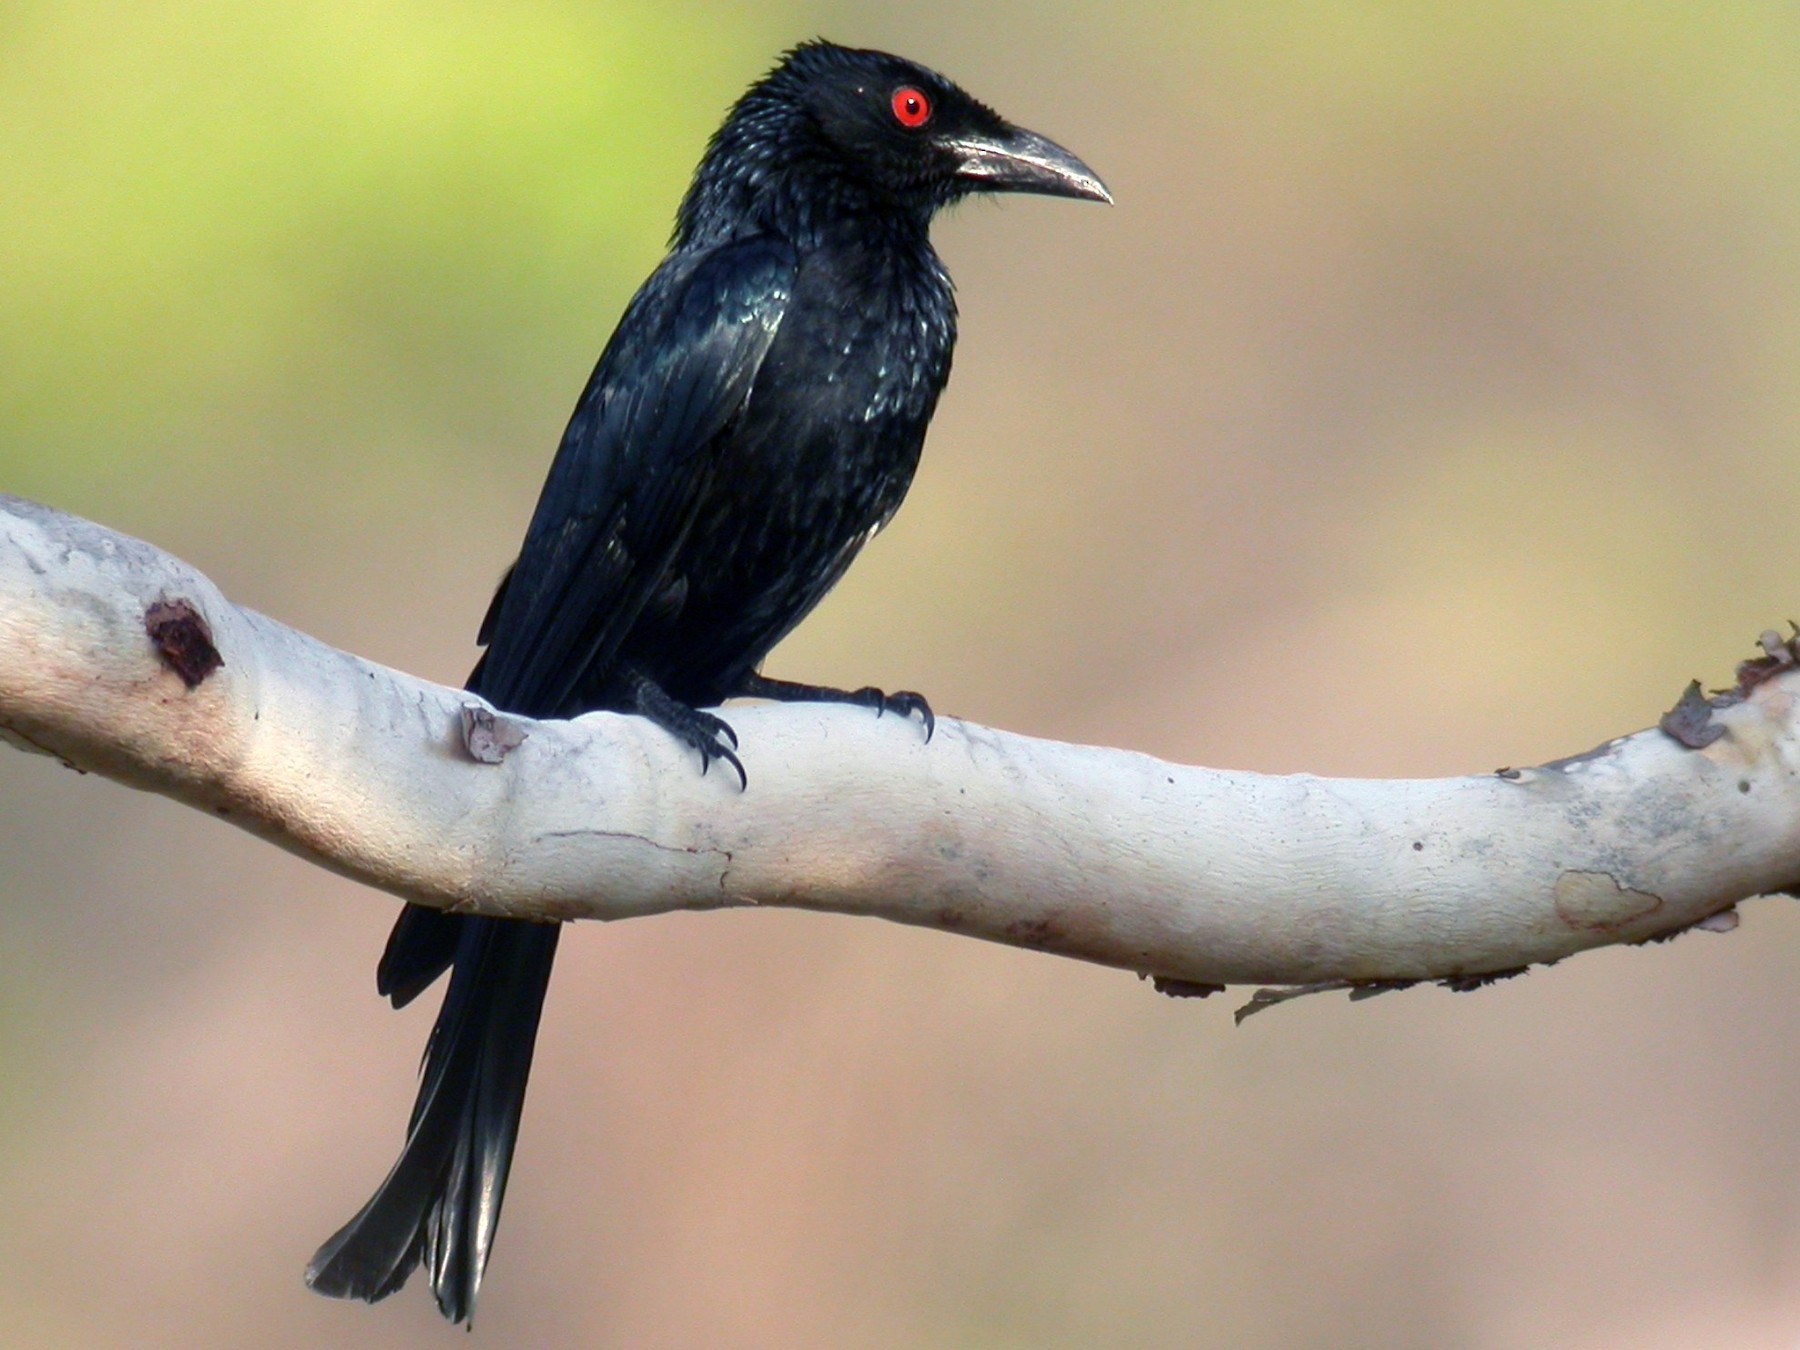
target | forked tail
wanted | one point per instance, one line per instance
(441, 1202)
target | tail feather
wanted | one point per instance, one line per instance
(421, 948)
(441, 1202)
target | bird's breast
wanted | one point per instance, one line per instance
(868, 336)
(819, 459)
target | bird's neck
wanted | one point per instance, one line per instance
(760, 175)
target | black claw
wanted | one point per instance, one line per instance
(708, 735)
(915, 703)
(699, 730)
(713, 750)
(905, 702)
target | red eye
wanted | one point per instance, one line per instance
(911, 107)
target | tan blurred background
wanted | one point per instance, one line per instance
(1426, 404)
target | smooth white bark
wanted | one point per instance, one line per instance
(1192, 874)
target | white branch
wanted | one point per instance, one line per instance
(1192, 874)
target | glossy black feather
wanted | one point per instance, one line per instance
(635, 469)
(755, 419)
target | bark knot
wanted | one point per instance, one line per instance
(183, 640)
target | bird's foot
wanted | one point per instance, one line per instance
(698, 730)
(902, 702)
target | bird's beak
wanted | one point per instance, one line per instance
(1023, 161)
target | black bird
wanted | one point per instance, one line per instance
(755, 419)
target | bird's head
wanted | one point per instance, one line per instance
(878, 126)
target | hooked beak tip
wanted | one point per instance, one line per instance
(1023, 161)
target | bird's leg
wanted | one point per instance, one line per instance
(690, 726)
(901, 701)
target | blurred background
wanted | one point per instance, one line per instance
(1426, 404)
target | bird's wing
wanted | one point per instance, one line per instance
(632, 468)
